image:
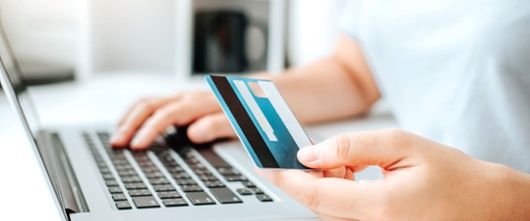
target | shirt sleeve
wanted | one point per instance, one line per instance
(349, 21)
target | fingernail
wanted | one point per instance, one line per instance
(307, 154)
(199, 137)
(115, 137)
(137, 141)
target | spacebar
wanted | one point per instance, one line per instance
(225, 195)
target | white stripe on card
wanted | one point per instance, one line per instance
(256, 111)
(287, 116)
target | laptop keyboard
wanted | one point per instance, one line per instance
(167, 183)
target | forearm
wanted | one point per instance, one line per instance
(496, 192)
(322, 91)
(517, 188)
(334, 87)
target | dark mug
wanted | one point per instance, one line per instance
(220, 42)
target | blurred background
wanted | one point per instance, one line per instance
(120, 50)
(58, 40)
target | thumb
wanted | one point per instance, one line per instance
(379, 148)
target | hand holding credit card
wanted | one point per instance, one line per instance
(266, 126)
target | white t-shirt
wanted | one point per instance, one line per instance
(456, 72)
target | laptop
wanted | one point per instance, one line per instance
(172, 180)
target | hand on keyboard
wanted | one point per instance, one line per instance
(150, 117)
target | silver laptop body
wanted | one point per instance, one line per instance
(175, 181)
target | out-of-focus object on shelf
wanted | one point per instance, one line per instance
(126, 36)
(234, 36)
(140, 35)
(42, 36)
(36, 72)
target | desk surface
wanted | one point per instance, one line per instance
(102, 100)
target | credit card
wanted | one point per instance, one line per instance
(266, 126)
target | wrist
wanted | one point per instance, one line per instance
(510, 193)
(518, 194)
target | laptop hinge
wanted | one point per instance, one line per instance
(63, 178)
(68, 212)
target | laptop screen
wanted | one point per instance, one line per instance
(16, 91)
(10, 69)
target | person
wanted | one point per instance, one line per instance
(455, 74)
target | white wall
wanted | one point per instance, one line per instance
(130, 35)
(42, 30)
(47, 31)
(313, 29)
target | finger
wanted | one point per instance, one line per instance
(177, 113)
(350, 174)
(210, 127)
(339, 172)
(381, 148)
(327, 217)
(154, 101)
(134, 118)
(340, 197)
(358, 168)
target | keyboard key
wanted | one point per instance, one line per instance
(171, 163)
(145, 202)
(256, 190)
(244, 191)
(123, 205)
(200, 198)
(235, 178)
(214, 184)
(202, 172)
(264, 198)
(108, 176)
(150, 169)
(193, 188)
(193, 162)
(110, 183)
(104, 136)
(205, 178)
(225, 195)
(115, 189)
(124, 167)
(248, 184)
(131, 179)
(127, 173)
(181, 176)
(118, 161)
(117, 157)
(142, 192)
(119, 197)
(146, 164)
(214, 159)
(143, 160)
(186, 182)
(154, 175)
(169, 195)
(104, 170)
(163, 188)
(157, 181)
(228, 171)
(135, 186)
(175, 170)
(174, 202)
(101, 164)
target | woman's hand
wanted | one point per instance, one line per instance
(423, 180)
(150, 117)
